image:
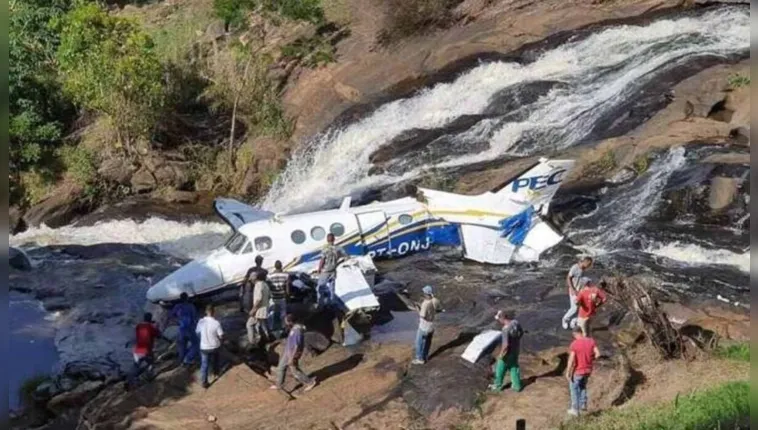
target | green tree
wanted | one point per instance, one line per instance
(108, 64)
(38, 112)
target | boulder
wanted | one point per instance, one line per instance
(722, 192)
(177, 196)
(76, 397)
(173, 174)
(116, 170)
(143, 181)
(18, 259)
(15, 220)
(56, 210)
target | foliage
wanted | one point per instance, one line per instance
(38, 112)
(232, 11)
(738, 80)
(719, 407)
(408, 17)
(738, 352)
(311, 52)
(239, 75)
(79, 163)
(605, 163)
(35, 185)
(641, 163)
(108, 65)
(174, 36)
(306, 10)
(438, 180)
(337, 11)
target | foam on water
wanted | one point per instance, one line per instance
(174, 238)
(599, 71)
(691, 254)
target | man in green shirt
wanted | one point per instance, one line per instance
(509, 351)
(331, 257)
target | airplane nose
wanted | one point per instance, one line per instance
(196, 277)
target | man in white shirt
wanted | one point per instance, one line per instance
(211, 335)
(427, 313)
(574, 283)
(256, 321)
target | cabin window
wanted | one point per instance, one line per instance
(337, 229)
(405, 219)
(235, 243)
(318, 233)
(298, 236)
(263, 243)
(248, 248)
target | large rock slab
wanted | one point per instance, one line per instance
(56, 210)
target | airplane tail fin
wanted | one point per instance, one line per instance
(537, 184)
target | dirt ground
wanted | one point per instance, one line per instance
(362, 388)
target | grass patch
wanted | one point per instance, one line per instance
(641, 163)
(738, 352)
(737, 81)
(605, 163)
(410, 17)
(720, 407)
(312, 52)
(437, 180)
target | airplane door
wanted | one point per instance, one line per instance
(375, 234)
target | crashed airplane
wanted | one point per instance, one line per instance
(498, 227)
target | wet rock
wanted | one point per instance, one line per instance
(116, 170)
(76, 397)
(178, 196)
(18, 259)
(56, 210)
(508, 101)
(722, 192)
(741, 135)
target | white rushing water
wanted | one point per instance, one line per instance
(600, 72)
(691, 254)
(174, 238)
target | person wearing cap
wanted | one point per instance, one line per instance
(575, 281)
(427, 313)
(588, 300)
(583, 352)
(510, 347)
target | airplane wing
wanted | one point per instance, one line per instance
(236, 213)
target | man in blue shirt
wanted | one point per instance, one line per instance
(185, 314)
(290, 358)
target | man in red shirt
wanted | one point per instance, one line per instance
(582, 354)
(588, 300)
(145, 334)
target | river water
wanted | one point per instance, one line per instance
(567, 95)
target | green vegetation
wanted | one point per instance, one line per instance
(640, 163)
(737, 81)
(720, 407)
(234, 12)
(738, 352)
(409, 17)
(605, 163)
(108, 65)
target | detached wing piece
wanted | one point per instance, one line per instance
(236, 213)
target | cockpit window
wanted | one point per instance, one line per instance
(263, 243)
(248, 248)
(235, 243)
(298, 236)
(318, 233)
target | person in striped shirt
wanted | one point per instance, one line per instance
(281, 283)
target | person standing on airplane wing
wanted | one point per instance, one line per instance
(331, 257)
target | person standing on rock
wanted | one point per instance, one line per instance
(257, 317)
(427, 313)
(246, 288)
(290, 358)
(573, 282)
(588, 300)
(583, 352)
(280, 290)
(331, 257)
(187, 345)
(510, 348)
(211, 335)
